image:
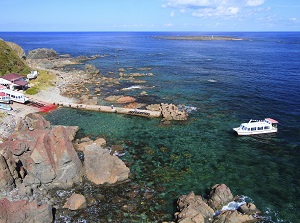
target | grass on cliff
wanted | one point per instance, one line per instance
(44, 80)
(10, 62)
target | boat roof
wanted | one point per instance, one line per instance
(254, 123)
(272, 120)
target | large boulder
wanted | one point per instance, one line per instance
(24, 211)
(220, 195)
(101, 167)
(234, 217)
(53, 162)
(169, 111)
(45, 153)
(75, 202)
(192, 208)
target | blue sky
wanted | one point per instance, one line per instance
(150, 15)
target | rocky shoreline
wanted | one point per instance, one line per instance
(201, 38)
(39, 162)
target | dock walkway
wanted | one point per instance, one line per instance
(112, 109)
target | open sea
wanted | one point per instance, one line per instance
(222, 83)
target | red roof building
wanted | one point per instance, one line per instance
(14, 80)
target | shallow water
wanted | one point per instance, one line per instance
(228, 82)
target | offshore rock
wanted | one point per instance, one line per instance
(220, 195)
(120, 99)
(193, 208)
(42, 53)
(234, 217)
(24, 211)
(125, 99)
(101, 167)
(249, 209)
(169, 111)
(75, 202)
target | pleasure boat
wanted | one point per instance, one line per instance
(253, 127)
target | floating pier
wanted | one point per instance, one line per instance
(112, 109)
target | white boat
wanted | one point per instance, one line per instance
(253, 127)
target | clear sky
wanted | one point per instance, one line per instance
(150, 15)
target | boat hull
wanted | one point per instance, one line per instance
(245, 133)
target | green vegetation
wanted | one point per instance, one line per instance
(10, 62)
(43, 81)
(32, 91)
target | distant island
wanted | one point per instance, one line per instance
(199, 38)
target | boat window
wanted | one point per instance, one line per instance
(253, 128)
(248, 129)
(260, 128)
(267, 127)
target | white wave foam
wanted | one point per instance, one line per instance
(136, 87)
(212, 81)
(187, 108)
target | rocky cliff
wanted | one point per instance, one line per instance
(12, 59)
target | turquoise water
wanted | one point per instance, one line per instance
(228, 82)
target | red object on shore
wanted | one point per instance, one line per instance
(47, 108)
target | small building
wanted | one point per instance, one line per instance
(14, 81)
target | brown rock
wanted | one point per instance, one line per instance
(6, 178)
(112, 98)
(249, 209)
(125, 99)
(75, 202)
(193, 209)
(101, 167)
(169, 111)
(24, 211)
(83, 143)
(220, 195)
(100, 142)
(234, 217)
(46, 152)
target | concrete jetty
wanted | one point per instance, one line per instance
(112, 109)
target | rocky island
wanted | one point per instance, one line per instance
(201, 38)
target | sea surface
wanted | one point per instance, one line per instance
(222, 84)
